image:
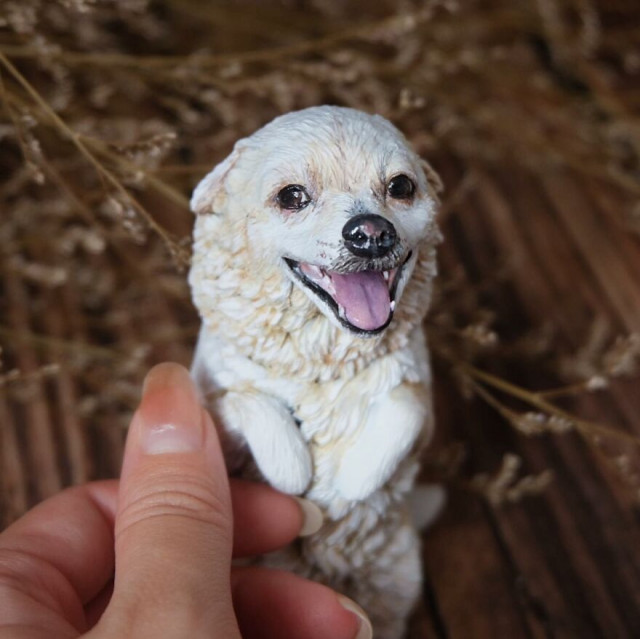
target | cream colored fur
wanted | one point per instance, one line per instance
(306, 404)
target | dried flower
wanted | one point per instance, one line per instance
(623, 357)
(505, 487)
(480, 335)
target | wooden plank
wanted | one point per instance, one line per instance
(616, 281)
(43, 473)
(464, 564)
(13, 496)
(58, 323)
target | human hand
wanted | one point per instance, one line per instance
(168, 531)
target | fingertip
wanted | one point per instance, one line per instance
(312, 517)
(160, 373)
(365, 630)
(276, 603)
(169, 418)
(173, 528)
(171, 426)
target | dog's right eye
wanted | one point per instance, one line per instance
(293, 197)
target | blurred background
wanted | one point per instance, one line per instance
(110, 113)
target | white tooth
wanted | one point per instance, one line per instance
(312, 271)
(342, 314)
(393, 305)
(386, 275)
(327, 283)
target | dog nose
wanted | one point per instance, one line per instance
(369, 235)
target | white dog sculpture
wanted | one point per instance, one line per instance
(314, 256)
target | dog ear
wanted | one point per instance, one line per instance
(433, 179)
(210, 194)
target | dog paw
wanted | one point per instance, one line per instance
(291, 476)
(273, 437)
(393, 424)
(354, 483)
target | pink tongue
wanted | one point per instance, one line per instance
(364, 297)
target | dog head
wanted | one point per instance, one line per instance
(337, 201)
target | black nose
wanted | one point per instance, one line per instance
(369, 235)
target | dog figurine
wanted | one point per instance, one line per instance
(314, 256)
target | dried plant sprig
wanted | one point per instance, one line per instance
(599, 361)
(43, 274)
(548, 418)
(28, 144)
(15, 376)
(623, 358)
(58, 344)
(480, 334)
(172, 194)
(587, 428)
(592, 384)
(105, 173)
(396, 24)
(504, 486)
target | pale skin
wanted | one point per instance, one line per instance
(167, 530)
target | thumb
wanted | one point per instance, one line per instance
(173, 531)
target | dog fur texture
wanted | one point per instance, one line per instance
(312, 405)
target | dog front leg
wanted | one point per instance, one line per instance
(392, 426)
(273, 437)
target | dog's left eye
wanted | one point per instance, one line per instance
(401, 187)
(293, 197)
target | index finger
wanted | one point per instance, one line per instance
(57, 557)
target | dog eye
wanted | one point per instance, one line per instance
(293, 197)
(401, 187)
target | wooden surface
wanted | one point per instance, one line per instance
(565, 563)
(549, 256)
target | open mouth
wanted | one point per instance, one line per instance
(362, 301)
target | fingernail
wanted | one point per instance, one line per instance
(365, 631)
(312, 518)
(170, 418)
